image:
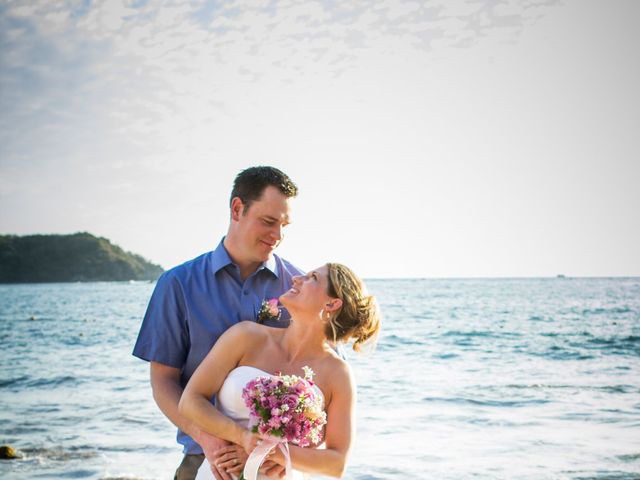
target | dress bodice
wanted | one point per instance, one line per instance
(229, 400)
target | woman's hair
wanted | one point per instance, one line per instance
(359, 317)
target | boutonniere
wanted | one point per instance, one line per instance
(269, 310)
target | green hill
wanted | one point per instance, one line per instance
(80, 257)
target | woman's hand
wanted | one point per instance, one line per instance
(231, 459)
(274, 465)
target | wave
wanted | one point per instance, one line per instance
(584, 346)
(52, 382)
(12, 381)
(389, 340)
(605, 311)
(616, 345)
(556, 352)
(24, 429)
(624, 388)
(540, 318)
(632, 457)
(471, 333)
(486, 402)
(609, 476)
(445, 356)
(27, 382)
(138, 448)
(122, 478)
(44, 408)
(481, 334)
(58, 453)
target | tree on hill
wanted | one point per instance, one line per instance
(69, 258)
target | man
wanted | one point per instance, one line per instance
(194, 303)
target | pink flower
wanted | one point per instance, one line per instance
(273, 307)
(269, 310)
(274, 422)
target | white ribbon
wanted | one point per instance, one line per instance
(259, 453)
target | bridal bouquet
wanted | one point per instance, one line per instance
(286, 406)
(283, 408)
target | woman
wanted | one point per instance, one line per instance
(327, 306)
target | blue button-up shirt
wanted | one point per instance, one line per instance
(196, 302)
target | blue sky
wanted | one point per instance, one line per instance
(438, 138)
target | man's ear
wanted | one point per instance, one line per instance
(333, 305)
(237, 208)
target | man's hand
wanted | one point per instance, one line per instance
(213, 448)
(226, 458)
(231, 459)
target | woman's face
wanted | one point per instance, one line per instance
(308, 292)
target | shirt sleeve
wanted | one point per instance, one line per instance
(164, 334)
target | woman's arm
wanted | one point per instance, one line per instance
(339, 432)
(206, 381)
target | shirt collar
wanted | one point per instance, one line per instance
(220, 258)
(272, 265)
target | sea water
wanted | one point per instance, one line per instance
(472, 379)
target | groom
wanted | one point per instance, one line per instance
(194, 303)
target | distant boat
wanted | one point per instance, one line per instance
(560, 275)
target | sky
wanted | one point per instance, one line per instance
(428, 139)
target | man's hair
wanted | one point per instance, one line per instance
(251, 182)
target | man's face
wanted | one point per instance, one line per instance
(260, 229)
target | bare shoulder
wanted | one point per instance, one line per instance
(249, 327)
(338, 365)
(337, 376)
(247, 333)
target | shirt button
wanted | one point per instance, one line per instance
(245, 292)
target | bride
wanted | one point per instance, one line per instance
(328, 305)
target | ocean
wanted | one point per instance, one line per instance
(471, 379)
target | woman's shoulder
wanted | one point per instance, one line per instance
(336, 374)
(250, 332)
(248, 328)
(335, 362)
(340, 368)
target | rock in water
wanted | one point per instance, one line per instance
(7, 452)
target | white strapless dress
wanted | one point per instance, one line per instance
(230, 403)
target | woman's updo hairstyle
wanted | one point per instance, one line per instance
(359, 317)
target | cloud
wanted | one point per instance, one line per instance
(125, 46)
(110, 104)
(141, 80)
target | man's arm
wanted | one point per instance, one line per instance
(165, 383)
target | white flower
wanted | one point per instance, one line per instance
(308, 373)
